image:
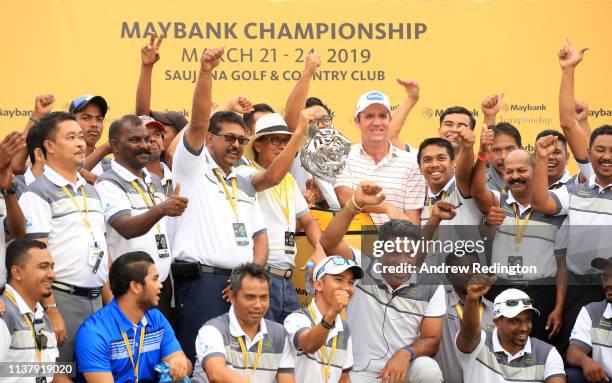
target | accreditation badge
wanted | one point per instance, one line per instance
(95, 255)
(290, 242)
(516, 262)
(162, 245)
(240, 234)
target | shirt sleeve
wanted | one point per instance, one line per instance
(186, 161)
(561, 238)
(348, 363)
(37, 213)
(295, 324)
(562, 198)
(169, 344)
(91, 350)
(467, 358)
(554, 365)
(581, 333)
(115, 203)
(287, 362)
(415, 193)
(586, 169)
(209, 343)
(5, 342)
(437, 304)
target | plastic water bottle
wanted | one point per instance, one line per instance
(309, 281)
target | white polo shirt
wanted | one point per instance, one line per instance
(204, 233)
(467, 210)
(219, 338)
(51, 213)
(2, 242)
(593, 332)
(398, 174)
(272, 202)
(166, 180)
(119, 198)
(386, 319)
(309, 367)
(490, 362)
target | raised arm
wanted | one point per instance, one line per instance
(582, 116)
(484, 197)
(344, 194)
(92, 160)
(312, 339)
(569, 58)
(490, 106)
(469, 334)
(10, 146)
(465, 161)
(541, 200)
(202, 99)
(297, 98)
(237, 104)
(149, 55)
(400, 114)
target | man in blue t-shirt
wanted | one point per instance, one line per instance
(126, 339)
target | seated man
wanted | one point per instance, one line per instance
(320, 327)
(508, 354)
(126, 339)
(590, 346)
(241, 346)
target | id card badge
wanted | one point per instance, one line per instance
(41, 379)
(517, 263)
(95, 255)
(289, 242)
(240, 234)
(162, 245)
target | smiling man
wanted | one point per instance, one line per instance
(157, 133)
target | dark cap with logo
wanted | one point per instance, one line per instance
(175, 119)
(79, 103)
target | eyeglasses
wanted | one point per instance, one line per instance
(39, 334)
(277, 141)
(325, 121)
(337, 260)
(515, 302)
(231, 138)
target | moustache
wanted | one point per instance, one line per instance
(143, 151)
(518, 182)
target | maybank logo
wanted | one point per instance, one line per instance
(375, 96)
(428, 112)
(527, 107)
(600, 113)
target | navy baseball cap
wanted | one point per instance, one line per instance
(78, 104)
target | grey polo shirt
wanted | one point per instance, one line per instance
(593, 332)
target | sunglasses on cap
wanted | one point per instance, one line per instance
(338, 261)
(515, 302)
(231, 139)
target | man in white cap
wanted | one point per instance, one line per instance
(508, 354)
(375, 159)
(590, 346)
(271, 150)
(321, 337)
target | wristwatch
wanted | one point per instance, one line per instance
(326, 325)
(5, 192)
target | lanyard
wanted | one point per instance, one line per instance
(520, 229)
(460, 310)
(233, 198)
(131, 353)
(441, 199)
(323, 356)
(37, 351)
(281, 194)
(146, 201)
(168, 183)
(85, 209)
(244, 356)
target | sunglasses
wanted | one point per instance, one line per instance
(339, 261)
(515, 302)
(231, 138)
(39, 334)
(277, 141)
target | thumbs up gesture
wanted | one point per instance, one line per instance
(175, 204)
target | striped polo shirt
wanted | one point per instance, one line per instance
(446, 356)
(100, 346)
(51, 213)
(495, 181)
(121, 198)
(588, 207)
(219, 338)
(593, 332)
(398, 174)
(541, 239)
(309, 367)
(16, 340)
(538, 361)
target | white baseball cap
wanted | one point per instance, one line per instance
(372, 97)
(335, 265)
(512, 302)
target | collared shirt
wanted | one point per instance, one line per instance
(387, 319)
(272, 205)
(565, 178)
(166, 180)
(593, 332)
(495, 181)
(101, 166)
(446, 356)
(219, 338)
(23, 181)
(121, 198)
(51, 213)
(490, 362)
(309, 367)
(3, 214)
(588, 208)
(100, 346)
(209, 216)
(540, 245)
(16, 341)
(398, 175)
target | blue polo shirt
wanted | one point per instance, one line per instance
(100, 347)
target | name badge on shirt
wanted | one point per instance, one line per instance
(95, 255)
(240, 234)
(289, 242)
(516, 262)
(162, 245)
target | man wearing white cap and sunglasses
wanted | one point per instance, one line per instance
(375, 159)
(508, 354)
(321, 337)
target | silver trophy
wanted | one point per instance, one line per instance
(325, 152)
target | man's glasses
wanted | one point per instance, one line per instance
(515, 302)
(231, 138)
(337, 260)
(277, 141)
(39, 334)
(325, 121)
